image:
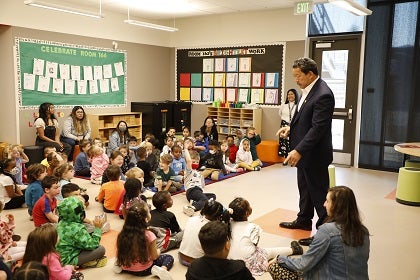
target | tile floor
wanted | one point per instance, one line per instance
(272, 192)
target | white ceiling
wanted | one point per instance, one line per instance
(169, 9)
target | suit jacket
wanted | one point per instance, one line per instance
(310, 129)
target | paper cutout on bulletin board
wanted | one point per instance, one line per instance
(196, 80)
(219, 79)
(257, 95)
(231, 79)
(244, 79)
(244, 64)
(208, 94)
(185, 94)
(185, 79)
(231, 94)
(271, 96)
(257, 80)
(219, 64)
(207, 80)
(271, 80)
(243, 95)
(196, 94)
(232, 64)
(219, 94)
(208, 65)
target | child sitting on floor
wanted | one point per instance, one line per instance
(81, 163)
(215, 240)
(44, 209)
(213, 162)
(194, 184)
(245, 238)
(165, 175)
(230, 167)
(10, 250)
(164, 223)
(144, 165)
(178, 163)
(137, 253)
(99, 162)
(244, 157)
(16, 152)
(254, 140)
(41, 248)
(110, 192)
(35, 173)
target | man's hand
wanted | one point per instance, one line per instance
(292, 158)
(283, 132)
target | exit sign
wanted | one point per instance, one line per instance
(303, 7)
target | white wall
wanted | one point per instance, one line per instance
(227, 29)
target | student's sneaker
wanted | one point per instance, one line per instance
(189, 210)
(148, 193)
(96, 181)
(16, 237)
(296, 248)
(116, 268)
(163, 274)
(101, 262)
(106, 227)
(257, 168)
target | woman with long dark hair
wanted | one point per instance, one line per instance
(13, 195)
(340, 248)
(286, 112)
(119, 136)
(76, 127)
(47, 130)
(209, 129)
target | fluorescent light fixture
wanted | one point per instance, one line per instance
(150, 25)
(54, 7)
(352, 7)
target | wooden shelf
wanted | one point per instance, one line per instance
(231, 119)
(104, 124)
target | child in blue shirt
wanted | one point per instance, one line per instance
(81, 163)
(201, 144)
(35, 173)
(165, 175)
(178, 164)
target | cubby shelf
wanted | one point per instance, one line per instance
(104, 124)
(231, 119)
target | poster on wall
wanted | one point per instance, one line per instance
(68, 75)
(250, 74)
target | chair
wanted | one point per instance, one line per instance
(408, 186)
(34, 153)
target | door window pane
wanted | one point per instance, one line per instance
(334, 73)
(337, 129)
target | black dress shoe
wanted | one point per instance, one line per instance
(296, 225)
(306, 241)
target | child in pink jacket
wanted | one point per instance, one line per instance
(99, 162)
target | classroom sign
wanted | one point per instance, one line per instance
(69, 75)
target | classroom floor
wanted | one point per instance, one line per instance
(272, 192)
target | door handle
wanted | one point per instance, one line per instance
(350, 114)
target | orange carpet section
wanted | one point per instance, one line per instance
(270, 223)
(109, 241)
(392, 195)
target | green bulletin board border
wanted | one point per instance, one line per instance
(64, 53)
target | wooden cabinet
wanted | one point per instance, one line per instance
(104, 124)
(231, 119)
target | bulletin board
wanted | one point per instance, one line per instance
(67, 75)
(248, 74)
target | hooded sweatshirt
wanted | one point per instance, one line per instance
(242, 155)
(73, 235)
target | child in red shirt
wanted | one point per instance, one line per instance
(44, 209)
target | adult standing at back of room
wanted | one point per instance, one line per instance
(118, 137)
(311, 143)
(48, 131)
(76, 127)
(209, 129)
(286, 112)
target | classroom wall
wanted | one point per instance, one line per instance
(150, 53)
(148, 77)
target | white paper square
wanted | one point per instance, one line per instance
(107, 71)
(51, 69)
(43, 84)
(69, 86)
(38, 67)
(93, 86)
(196, 94)
(64, 71)
(97, 72)
(75, 72)
(114, 84)
(28, 81)
(82, 87)
(119, 70)
(104, 85)
(58, 86)
(87, 73)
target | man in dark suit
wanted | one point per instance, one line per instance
(311, 143)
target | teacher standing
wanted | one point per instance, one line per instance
(76, 127)
(286, 113)
(311, 143)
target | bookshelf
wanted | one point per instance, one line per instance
(231, 119)
(104, 124)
